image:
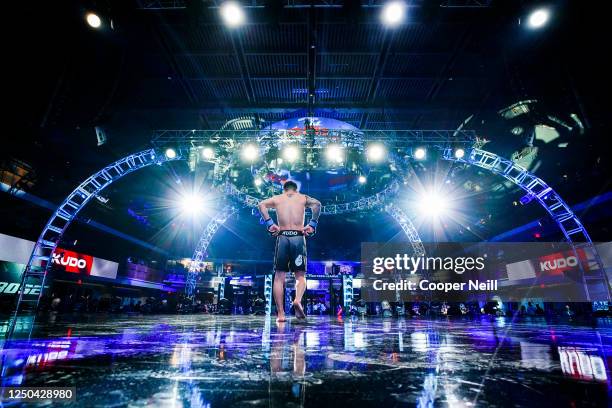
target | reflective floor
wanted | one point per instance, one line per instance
(218, 361)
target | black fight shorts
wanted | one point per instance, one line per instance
(290, 252)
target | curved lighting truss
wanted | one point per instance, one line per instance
(36, 269)
(366, 203)
(535, 188)
(408, 227)
(571, 227)
(200, 251)
(40, 260)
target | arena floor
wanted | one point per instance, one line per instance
(213, 361)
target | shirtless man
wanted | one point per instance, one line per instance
(290, 233)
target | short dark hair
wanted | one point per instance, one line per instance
(290, 185)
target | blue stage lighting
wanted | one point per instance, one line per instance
(420, 153)
(93, 20)
(170, 153)
(291, 153)
(250, 152)
(393, 13)
(538, 18)
(208, 153)
(432, 204)
(232, 14)
(376, 152)
(192, 204)
(334, 153)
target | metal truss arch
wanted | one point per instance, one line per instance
(35, 272)
(408, 227)
(535, 187)
(200, 251)
(569, 224)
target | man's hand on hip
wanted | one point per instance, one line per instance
(308, 230)
(274, 230)
(311, 228)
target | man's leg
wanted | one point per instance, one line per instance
(300, 285)
(298, 266)
(300, 288)
(279, 295)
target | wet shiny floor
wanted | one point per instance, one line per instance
(244, 361)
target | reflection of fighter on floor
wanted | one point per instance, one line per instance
(290, 233)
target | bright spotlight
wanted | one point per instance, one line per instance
(459, 153)
(291, 153)
(376, 152)
(170, 153)
(93, 20)
(420, 153)
(334, 153)
(250, 152)
(258, 182)
(208, 153)
(232, 14)
(432, 204)
(362, 179)
(393, 13)
(192, 204)
(538, 18)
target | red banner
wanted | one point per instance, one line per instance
(70, 261)
(560, 262)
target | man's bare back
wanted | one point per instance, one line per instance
(290, 252)
(290, 209)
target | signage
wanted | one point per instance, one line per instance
(17, 251)
(10, 280)
(555, 264)
(69, 261)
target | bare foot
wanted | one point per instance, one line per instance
(281, 319)
(299, 311)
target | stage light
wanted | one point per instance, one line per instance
(420, 153)
(291, 153)
(93, 20)
(334, 153)
(170, 153)
(232, 14)
(538, 18)
(393, 13)
(208, 153)
(459, 153)
(250, 152)
(192, 204)
(362, 179)
(258, 182)
(376, 152)
(432, 204)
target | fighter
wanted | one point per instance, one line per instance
(290, 233)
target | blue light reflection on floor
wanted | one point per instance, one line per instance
(242, 360)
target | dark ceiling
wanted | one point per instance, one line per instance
(174, 65)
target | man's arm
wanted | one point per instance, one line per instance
(315, 207)
(263, 210)
(263, 207)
